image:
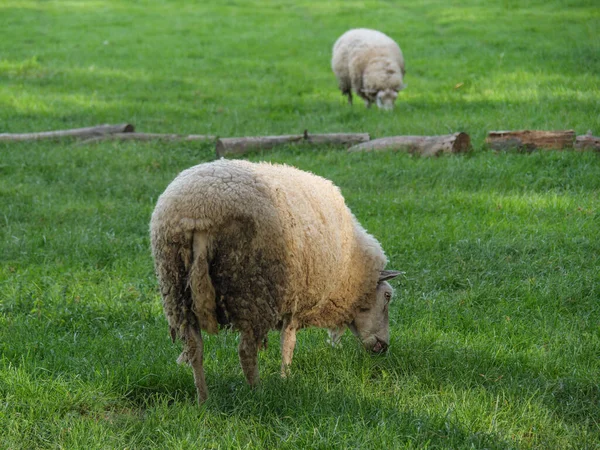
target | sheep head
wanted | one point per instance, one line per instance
(371, 325)
(382, 80)
(385, 99)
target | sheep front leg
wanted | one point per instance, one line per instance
(195, 354)
(335, 335)
(248, 352)
(288, 342)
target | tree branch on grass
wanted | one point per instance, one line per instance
(241, 145)
(88, 132)
(149, 137)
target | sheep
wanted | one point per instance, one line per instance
(259, 247)
(371, 64)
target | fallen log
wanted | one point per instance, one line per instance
(149, 137)
(529, 140)
(423, 145)
(241, 145)
(87, 132)
(587, 142)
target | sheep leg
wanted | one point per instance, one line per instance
(288, 342)
(356, 80)
(349, 94)
(335, 335)
(195, 354)
(248, 352)
(346, 87)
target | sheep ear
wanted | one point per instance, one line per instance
(385, 275)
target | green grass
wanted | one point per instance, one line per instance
(496, 325)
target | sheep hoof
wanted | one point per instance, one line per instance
(286, 371)
(334, 343)
(202, 397)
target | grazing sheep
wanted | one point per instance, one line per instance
(371, 64)
(261, 247)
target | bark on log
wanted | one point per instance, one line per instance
(423, 145)
(241, 145)
(149, 137)
(87, 132)
(587, 142)
(530, 140)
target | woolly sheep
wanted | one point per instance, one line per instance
(369, 63)
(260, 247)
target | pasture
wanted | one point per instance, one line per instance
(495, 328)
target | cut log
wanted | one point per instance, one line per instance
(587, 142)
(530, 140)
(88, 132)
(423, 145)
(241, 145)
(149, 137)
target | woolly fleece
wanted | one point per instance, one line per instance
(249, 244)
(367, 61)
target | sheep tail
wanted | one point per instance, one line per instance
(181, 263)
(196, 258)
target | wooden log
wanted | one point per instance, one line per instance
(149, 137)
(423, 145)
(345, 139)
(87, 132)
(241, 145)
(529, 140)
(587, 142)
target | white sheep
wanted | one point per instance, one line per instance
(262, 247)
(371, 64)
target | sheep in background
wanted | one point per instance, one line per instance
(371, 64)
(261, 247)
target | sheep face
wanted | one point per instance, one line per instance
(385, 99)
(372, 325)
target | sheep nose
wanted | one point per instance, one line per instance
(380, 346)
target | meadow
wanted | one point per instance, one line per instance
(495, 326)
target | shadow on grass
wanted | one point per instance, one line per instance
(295, 408)
(316, 398)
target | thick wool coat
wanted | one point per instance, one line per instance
(367, 61)
(249, 244)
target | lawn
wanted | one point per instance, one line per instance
(496, 325)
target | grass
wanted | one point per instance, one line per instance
(495, 327)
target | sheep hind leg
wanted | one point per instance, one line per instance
(346, 88)
(248, 352)
(348, 94)
(195, 354)
(288, 343)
